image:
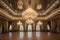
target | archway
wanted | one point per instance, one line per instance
(37, 27)
(29, 27)
(21, 28)
(48, 27)
(10, 27)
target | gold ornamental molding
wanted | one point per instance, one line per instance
(50, 8)
(6, 14)
(7, 7)
(44, 13)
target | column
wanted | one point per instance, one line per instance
(52, 26)
(14, 26)
(34, 25)
(45, 26)
(6, 26)
(25, 27)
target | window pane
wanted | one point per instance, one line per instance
(21, 27)
(10, 28)
(29, 27)
(37, 27)
(48, 27)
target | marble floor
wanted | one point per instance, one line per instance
(29, 36)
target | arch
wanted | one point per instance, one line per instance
(10, 27)
(37, 27)
(21, 28)
(29, 27)
(48, 26)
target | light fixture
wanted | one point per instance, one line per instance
(20, 4)
(39, 23)
(29, 21)
(39, 6)
(19, 23)
(29, 13)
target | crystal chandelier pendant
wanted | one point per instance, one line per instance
(39, 23)
(29, 21)
(19, 23)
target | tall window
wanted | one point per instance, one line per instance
(37, 27)
(48, 27)
(21, 27)
(10, 28)
(29, 27)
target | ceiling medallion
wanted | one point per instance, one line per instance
(20, 4)
(39, 6)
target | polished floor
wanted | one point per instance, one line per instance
(29, 36)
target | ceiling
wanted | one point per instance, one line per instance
(14, 8)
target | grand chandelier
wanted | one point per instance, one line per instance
(19, 23)
(39, 23)
(29, 13)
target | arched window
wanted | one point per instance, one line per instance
(10, 28)
(48, 27)
(29, 27)
(21, 27)
(37, 27)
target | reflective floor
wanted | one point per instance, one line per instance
(29, 36)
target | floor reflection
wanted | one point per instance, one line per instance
(10, 34)
(48, 33)
(37, 35)
(29, 35)
(21, 35)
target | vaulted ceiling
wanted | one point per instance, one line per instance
(13, 9)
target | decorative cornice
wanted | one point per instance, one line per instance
(14, 13)
(3, 12)
(8, 8)
(50, 8)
